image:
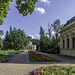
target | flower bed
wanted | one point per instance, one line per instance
(55, 70)
(42, 57)
(1, 61)
(36, 72)
(34, 57)
(33, 52)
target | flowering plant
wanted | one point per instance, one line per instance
(43, 57)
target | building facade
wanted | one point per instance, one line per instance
(31, 46)
(67, 38)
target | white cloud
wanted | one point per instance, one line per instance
(37, 35)
(45, 1)
(53, 32)
(31, 36)
(3, 36)
(40, 10)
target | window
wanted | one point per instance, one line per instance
(63, 43)
(67, 43)
(73, 42)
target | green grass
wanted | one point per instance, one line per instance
(10, 53)
(3, 57)
(33, 59)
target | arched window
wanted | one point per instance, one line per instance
(73, 42)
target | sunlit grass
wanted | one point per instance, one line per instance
(4, 55)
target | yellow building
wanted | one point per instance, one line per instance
(67, 38)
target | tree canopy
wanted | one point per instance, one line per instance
(56, 27)
(1, 32)
(24, 7)
(15, 39)
(1, 43)
(50, 43)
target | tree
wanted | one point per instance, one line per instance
(4, 7)
(43, 40)
(56, 27)
(44, 44)
(1, 43)
(42, 32)
(24, 7)
(34, 41)
(15, 39)
(51, 44)
(29, 38)
(1, 32)
(49, 30)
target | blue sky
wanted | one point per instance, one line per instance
(45, 11)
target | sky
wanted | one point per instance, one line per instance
(45, 11)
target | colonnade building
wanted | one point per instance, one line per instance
(67, 38)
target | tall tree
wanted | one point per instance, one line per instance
(24, 7)
(42, 32)
(43, 44)
(49, 30)
(15, 39)
(56, 27)
(29, 38)
(1, 43)
(34, 41)
(1, 33)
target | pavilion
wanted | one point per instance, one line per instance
(30, 46)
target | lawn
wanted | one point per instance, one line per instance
(33, 57)
(10, 53)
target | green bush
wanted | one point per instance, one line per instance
(51, 51)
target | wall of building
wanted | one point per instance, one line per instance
(31, 47)
(68, 32)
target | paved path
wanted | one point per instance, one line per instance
(20, 58)
(19, 64)
(18, 69)
(23, 58)
(63, 59)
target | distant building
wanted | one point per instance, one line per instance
(67, 38)
(31, 46)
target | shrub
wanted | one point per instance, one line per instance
(52, 51)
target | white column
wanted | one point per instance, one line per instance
(70, 42)
(32, 47)
(61, 42)
(65, 42)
